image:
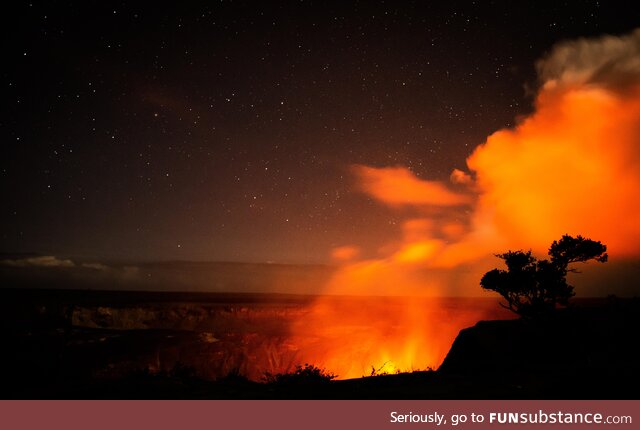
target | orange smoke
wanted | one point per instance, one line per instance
(389, 314)
(345, 253)
(354, 336)
(571, 167)
(574, 165)
(398, 186)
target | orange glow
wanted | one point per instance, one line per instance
(453, 229)
(417, 251)
(571, 167)
(416, 229)
(357, 337)
(404, 323)
(345, 253)
(460, 177)
(398, 186)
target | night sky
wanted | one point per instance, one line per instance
(227, 130)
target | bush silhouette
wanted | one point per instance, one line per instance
(533, 287)
(307, 374)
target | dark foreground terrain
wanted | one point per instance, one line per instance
(127, 345)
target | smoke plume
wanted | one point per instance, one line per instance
(571, 167)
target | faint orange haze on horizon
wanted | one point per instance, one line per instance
(571, 167)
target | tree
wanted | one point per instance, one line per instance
(532, 287)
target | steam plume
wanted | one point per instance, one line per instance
(572, 166)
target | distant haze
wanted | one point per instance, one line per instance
(617, 277)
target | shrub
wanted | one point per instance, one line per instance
(307, 374)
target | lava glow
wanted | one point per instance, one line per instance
(571, 167)
(354, 337)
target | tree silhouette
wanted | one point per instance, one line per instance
(532, 287)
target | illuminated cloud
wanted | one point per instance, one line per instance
(609, 61)
(345, 253)
(399, 186)
(50, 261)
(95, 266)
(43, 261)
(460, 177)
(82, 273)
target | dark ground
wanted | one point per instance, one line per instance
(587, 352)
